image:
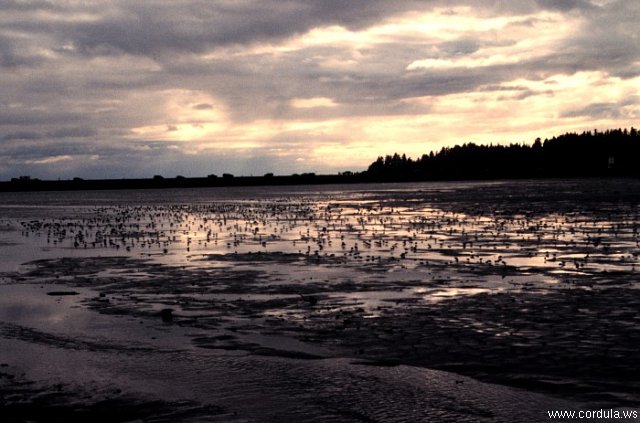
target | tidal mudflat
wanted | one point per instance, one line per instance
(484, 301)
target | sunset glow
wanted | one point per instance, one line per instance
(300, 88)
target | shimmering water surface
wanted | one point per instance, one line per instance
(506, 282)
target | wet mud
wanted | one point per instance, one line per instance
(532, 287)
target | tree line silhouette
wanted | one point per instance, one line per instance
(608, 153)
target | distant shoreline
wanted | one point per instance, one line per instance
(77, 184)
(34, 185)
(612, 153)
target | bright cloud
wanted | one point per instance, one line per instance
(307, 103)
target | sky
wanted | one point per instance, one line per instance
(121, 88)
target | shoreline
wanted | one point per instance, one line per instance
(36, 185)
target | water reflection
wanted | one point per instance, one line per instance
(344, 231)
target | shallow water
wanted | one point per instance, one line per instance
(99, 356)
(526, 283)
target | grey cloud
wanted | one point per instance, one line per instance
(374, 86)
(31, 117)
(610, 40)
(460, 47)
(371, 108)
(73, 132)
(12, 53)
(154, 28)
(33, 148)
(602, 110)
(29, 5)
(565, 5)
(114, 160)
(595, 110)
(203, 106)
(380, 76)
(9, 59)
(513, 92)
(24, 135)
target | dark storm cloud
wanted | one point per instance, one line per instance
(165, 29)
(151, 28)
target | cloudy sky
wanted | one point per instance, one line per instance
(126, 88)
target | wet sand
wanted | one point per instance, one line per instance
(491, 302)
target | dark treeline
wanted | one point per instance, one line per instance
(612, 152)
